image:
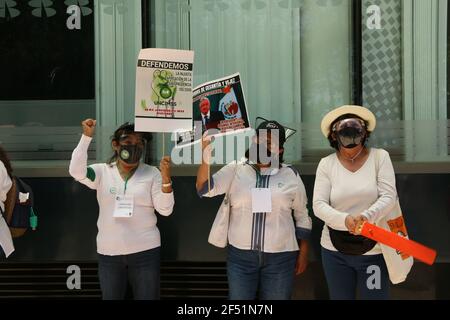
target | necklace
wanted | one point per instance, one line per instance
(353, 159)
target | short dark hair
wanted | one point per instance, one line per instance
(333, 143)
(125, 129)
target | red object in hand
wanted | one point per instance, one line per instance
(402, 244)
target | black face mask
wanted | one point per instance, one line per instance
(130, 153)
(350, 138)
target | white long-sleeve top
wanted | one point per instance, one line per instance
(122, 236)
(272, 232)
(5, 235)
(339, 192)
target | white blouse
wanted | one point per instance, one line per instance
(339, 192)
(5, 235)
(116, 235)
(275, 231)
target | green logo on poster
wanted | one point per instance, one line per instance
(163, 94)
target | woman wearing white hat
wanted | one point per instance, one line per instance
(350, 188)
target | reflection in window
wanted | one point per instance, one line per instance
(47, 76)
(293, 56)
(41, 59)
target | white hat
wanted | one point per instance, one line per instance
(361, 112)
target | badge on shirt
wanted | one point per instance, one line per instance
(261, 200)
(23, 197)
(124, 206)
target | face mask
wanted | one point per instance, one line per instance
(350, 138)
(130, 153)
(259, 153)
(350, 133)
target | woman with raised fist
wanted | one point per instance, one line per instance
(128, 193)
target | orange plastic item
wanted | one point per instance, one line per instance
(402, 244)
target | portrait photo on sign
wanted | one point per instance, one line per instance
(218, 108)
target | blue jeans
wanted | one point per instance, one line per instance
(141, 269)
(345, 274)
(271, 273)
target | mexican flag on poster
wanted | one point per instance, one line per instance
(164, 90)
(218, 107)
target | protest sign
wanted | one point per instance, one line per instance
(218, 107)
(164, 90)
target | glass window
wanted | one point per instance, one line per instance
(47, 76)
(293, 56)
(404, 77)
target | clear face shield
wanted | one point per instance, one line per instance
(350, 133)
(132, 148)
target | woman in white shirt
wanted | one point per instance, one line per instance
(128, 193)
(348, 191)
(263, 251)
(6, 243)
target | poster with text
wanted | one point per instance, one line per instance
(164, 90)
(218, 107)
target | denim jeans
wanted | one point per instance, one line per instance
(270, 273)
(140, 269)
(346, 274)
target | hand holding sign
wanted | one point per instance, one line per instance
(206, 147)
(164, 166)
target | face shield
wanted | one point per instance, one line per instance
(131, 148)
(350, 133)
